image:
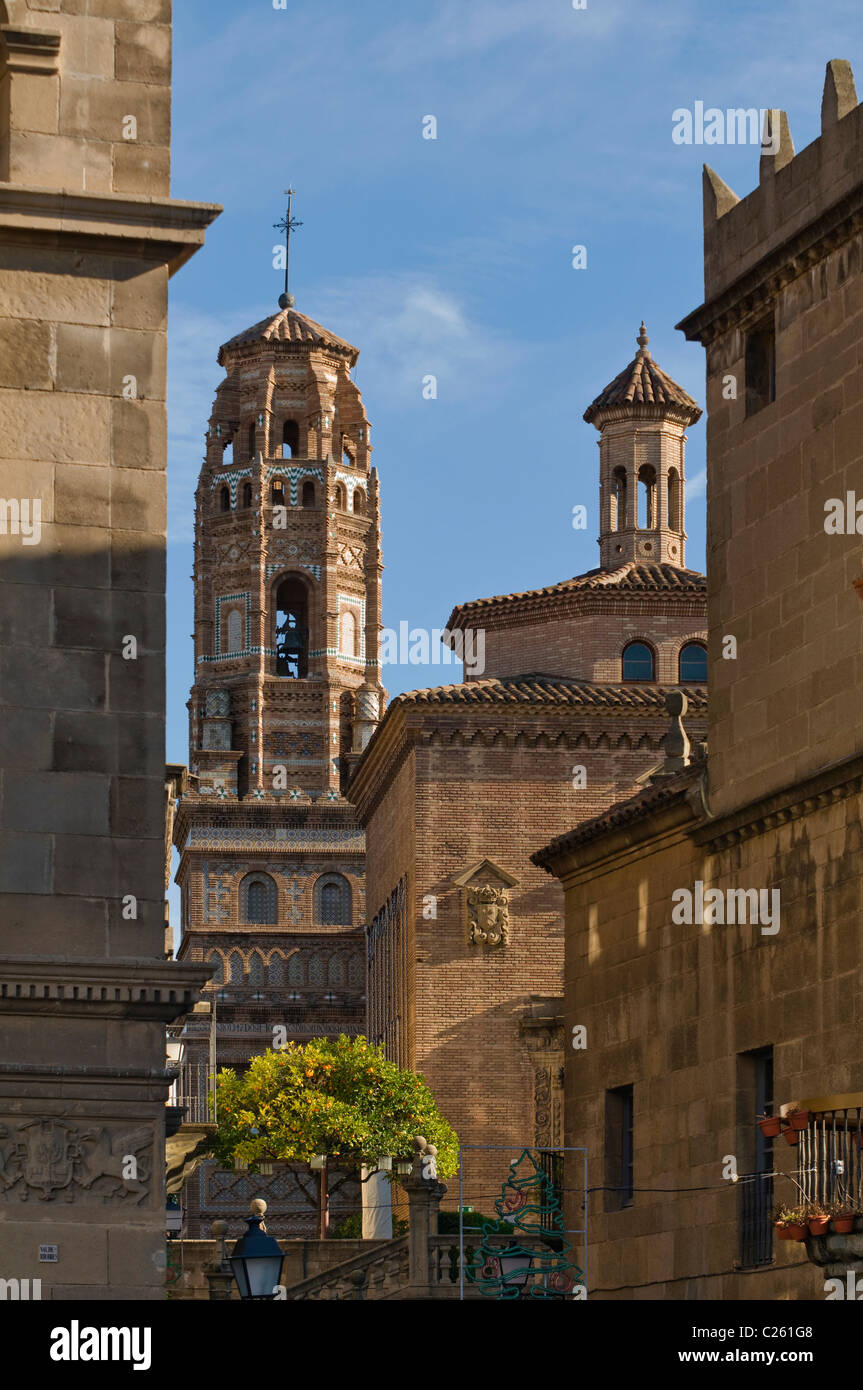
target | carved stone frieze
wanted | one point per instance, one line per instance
(89, 1164)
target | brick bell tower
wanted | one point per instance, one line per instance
(642, 417)
(286, 695)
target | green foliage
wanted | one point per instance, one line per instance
(339, 1097)
(447, 1223)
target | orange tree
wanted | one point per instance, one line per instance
(340, 1097)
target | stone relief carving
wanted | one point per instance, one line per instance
(51, 1158)
(486, 903)
(488, 915)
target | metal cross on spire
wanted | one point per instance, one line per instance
(287, 224)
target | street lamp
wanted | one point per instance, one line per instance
(257, 1259)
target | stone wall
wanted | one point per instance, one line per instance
(88, 239)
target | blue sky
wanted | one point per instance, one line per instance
(453, 256)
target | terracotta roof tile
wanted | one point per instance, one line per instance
(633, 577)
(539, 689)
(643, 383)
(289, 326)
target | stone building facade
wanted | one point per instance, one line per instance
(286, 694)
(693, 1027)
(88, 239)
(461, 783)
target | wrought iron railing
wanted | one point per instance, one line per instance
(830, 1160)
(195, 1091)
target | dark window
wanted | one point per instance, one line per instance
(755, 1199)
(277, 493)
(290, 439)
(292, 629)
(692, 663)
(334, 901)
(359, 502)
(619, 1148)
(308, 493)
(339, 497)
(247, 494)
(225, 499)
(638, 662)
(258, 899)
(760, 367)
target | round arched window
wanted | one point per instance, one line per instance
(692, 663)
(638, 662)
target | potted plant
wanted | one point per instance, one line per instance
(841, 1218)
(791, 1223)
(792, 1136)
(798, 1119)
(819, 1219)
(770, 1125)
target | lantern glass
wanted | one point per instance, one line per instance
(256, 1262)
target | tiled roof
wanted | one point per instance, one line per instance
(647, 800)
(289, 326)
(643, 383)
(538, 689)
(633, 577)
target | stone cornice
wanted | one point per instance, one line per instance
(122, 987)
(159, 229)
(28, 50)
(759, 285)
(829, 785)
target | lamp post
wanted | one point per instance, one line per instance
(256, 1259)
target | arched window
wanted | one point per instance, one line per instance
(217, 962)
(359, 501)
(692, 663)
(256, 968)
(675, 520)
(355, 970)
(292, 629)
(277, 492)
(346, 459)
(646, 497)
(247, 494)
(296, 974)
(235, 631)
(308, 493)
(235, 968)
(339, 496)
(618, 499)
(258, 899)
(316, 970)
(252, 440)
(228, 452)
(225, 499)
(290, 439)
(276, 969)
(333, 901)
(349, 633)
(335, 971)
(638, 662)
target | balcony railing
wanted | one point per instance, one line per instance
(195, 1091)
(829, 1157)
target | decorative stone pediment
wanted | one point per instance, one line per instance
(485, 903)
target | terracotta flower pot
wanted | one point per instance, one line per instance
(842, 1225)
(784, 1232)
(797, 1232)
(792, 1136)
(818, 1225)
(770, 1126)
(798, 1119)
